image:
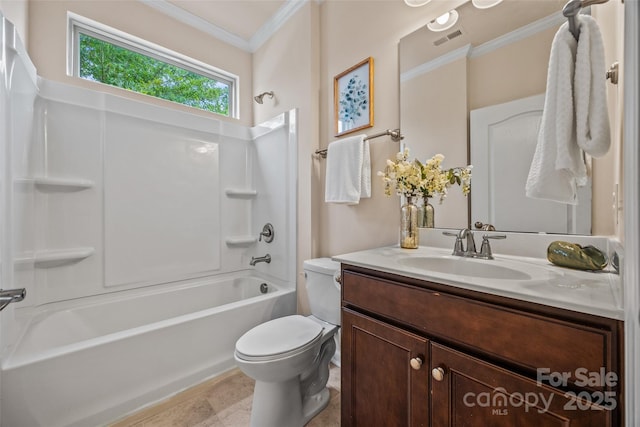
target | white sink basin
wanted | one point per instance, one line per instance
(469, 267)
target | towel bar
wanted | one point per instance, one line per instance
(395, 135)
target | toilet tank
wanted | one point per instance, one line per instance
(323, 291)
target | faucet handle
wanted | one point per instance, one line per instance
(485, 249)
(267, 233)
(457, 246)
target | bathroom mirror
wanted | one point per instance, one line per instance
(489, 58)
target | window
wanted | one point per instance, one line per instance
(102, 54)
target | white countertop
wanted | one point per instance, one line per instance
(597, 293)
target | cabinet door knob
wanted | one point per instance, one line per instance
(437, 373)
(416, 363)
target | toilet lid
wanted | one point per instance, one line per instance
(279, 336)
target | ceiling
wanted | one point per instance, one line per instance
(225, 13)
(220, 18)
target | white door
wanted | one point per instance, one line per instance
(503, 140)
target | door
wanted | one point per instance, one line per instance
(472, 393)
(385, 378)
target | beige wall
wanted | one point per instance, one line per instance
(288, 65)
(48, 32)
(350, 32)
(434, 107)
(512, 72)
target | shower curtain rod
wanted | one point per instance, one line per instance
(571, 10)
(395, 134)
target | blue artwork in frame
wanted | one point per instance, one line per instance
(353, 98)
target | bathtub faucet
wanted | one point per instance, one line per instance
(255, 260)
(11, 295)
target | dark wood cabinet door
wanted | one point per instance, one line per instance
(468, 392)
(383, 383)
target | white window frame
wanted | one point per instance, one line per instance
(77, 24)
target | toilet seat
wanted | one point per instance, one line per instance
(279, 338)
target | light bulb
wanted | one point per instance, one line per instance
(442, 19)
(485, 4)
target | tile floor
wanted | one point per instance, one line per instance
(224, 401)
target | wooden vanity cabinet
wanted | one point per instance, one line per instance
(382, 387)
(416, 353)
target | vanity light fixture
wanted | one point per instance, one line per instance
(485, 4)
(444, 21)
(416, 3)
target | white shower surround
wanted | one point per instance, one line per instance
(108, 199)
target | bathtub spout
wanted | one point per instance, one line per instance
(11, 295)
(255, 260)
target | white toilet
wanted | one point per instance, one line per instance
(289, 357)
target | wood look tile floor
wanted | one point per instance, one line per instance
(224, 401)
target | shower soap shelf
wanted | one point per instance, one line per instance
(59, 257)
(56, 258)
(240, 194)
(62, 184)
(241, 240)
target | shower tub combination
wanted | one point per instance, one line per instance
(131, 226)
(79, 364)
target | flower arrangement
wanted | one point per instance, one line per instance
(413, 178)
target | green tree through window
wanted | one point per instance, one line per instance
(111, 64)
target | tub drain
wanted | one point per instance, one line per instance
(264, 288)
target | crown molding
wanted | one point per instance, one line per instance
(258, 39)
(551, 21)
(198, 23)
(440, 61)
(270, 27)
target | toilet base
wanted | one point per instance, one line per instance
(268, 411)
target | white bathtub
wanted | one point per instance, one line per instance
(91, 362)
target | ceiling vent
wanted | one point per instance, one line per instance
(440, 41)
(455, 34)
(450, 36)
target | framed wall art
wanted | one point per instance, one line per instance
(353, 98)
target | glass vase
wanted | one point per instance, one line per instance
(428, 218)
(409, 225)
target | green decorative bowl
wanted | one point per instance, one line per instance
(571, 255)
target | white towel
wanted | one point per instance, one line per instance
(348, 170)
(558, 163)
(592, 115)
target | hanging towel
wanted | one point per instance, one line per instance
(348, 170)
(592, 115)
(558, 163)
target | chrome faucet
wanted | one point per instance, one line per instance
(11, 295)
(470, 249)
(458, 248)
(255, 260)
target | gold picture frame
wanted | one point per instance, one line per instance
(353, 98)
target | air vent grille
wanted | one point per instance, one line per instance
(454, 34)
(450, 36)
(440, 41)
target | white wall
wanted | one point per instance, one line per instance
(17, 11)
(148, 198)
